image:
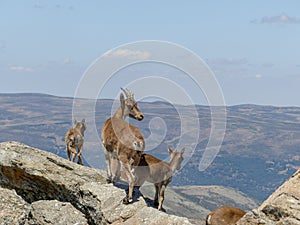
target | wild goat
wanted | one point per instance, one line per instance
(74, 141)
(224, 215)
(123, 141)
(158, 172)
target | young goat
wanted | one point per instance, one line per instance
(158, 172)
(224, 215)
(74, 141)
(123, 141)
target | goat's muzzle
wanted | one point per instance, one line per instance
(140, 117)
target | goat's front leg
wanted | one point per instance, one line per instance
(157, 191)
(108, 166)
(115, 169)
(131, 181)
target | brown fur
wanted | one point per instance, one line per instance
(158, 172)
(224, 215)
(74, 141)
(123, 142)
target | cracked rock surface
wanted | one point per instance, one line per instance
(281, 208)
(38, 187)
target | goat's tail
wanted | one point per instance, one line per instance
(208, 219)
(69, 138)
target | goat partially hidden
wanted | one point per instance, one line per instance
(158, 172)
(74, 141)
(224, 215)
(123, 141)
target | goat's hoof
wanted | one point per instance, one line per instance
(155, 204)
(126, 200)
(162, 209)
(116, 179)
(108, 180)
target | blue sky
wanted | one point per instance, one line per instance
(252, 47)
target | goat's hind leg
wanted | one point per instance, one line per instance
(80, 156)
(161, 198)
(68, 153)
(71, 150)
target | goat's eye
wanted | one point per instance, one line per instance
(134, 106)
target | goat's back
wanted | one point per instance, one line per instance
(117, 133)
(224, 215)
(152, 169)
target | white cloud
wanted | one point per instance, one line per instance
(43, 5)
(21, 69)
(267, 65)
(258, 76)
(279, 19)
(128, 53)
(227, 62)
(67, 61)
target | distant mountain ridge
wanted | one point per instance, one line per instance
(260, 149)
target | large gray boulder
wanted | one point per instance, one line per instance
(13, 208)
(43, 187)
(281, 208)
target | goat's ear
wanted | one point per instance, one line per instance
(122, 101)
(83, 120)
(170, 150)
(75, 121)
(182, 151)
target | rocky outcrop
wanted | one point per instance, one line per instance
(38, 187)
(281, 208)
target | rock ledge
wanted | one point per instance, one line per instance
(38, 187)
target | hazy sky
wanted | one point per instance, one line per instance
(253, 47)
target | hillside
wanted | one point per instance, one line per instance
(259, 152)
(197, 201)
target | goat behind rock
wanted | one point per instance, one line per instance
(224, 215)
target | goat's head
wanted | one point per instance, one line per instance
(138, 145)
(129, 105)
(80, 125)
(176, 157)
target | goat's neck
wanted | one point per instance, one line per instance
(173, 164)
(119, 114)
(81, 131)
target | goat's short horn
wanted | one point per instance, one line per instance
(130, 94)
(125, 92)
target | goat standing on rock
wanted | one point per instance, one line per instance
(74, 140)
(158, 172)
(123, 141)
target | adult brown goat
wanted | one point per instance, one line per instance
(123, 141)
